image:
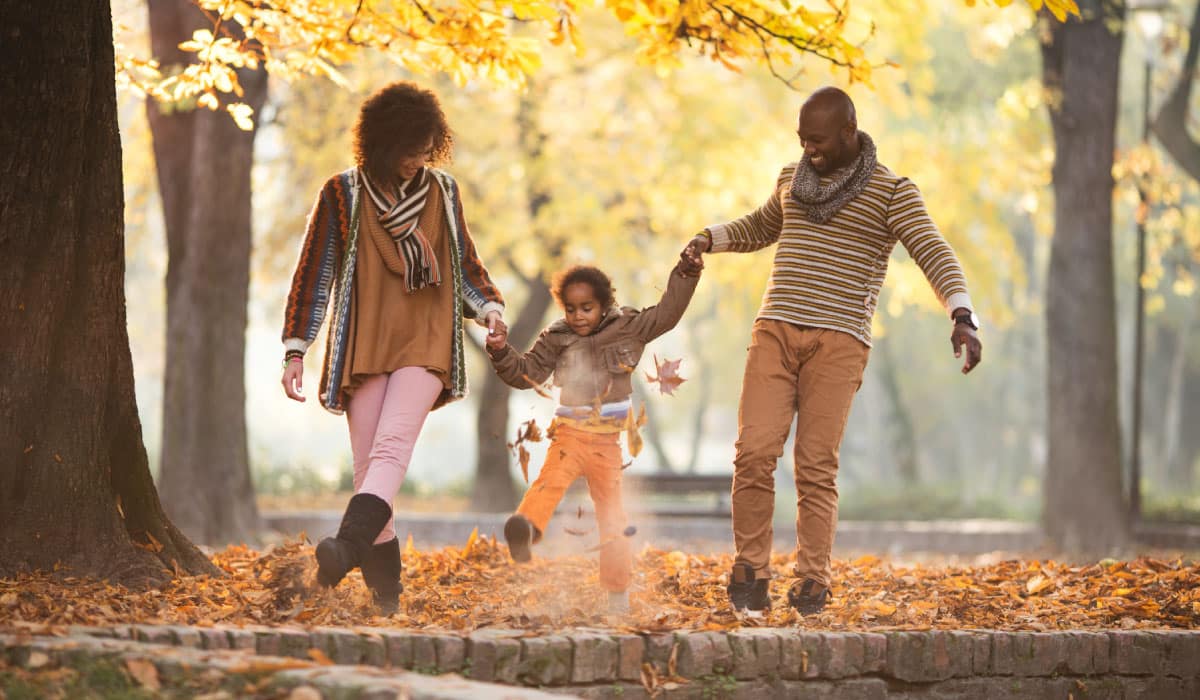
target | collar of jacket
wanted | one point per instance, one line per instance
(614, 312)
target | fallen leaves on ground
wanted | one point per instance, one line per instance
(478, 586)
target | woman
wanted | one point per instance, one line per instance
(388, 245)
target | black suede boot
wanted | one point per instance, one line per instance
(381, 572)
(366, 515)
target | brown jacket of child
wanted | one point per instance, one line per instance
(596, 366)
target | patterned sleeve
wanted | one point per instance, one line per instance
(756, 230)
(320, 260)
(480, 294)
(909, 221)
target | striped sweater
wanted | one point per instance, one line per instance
(325, 273)
(829, 275)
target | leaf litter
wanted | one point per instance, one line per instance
(477, 586)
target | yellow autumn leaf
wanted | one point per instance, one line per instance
(470, 541)
(1037, 584)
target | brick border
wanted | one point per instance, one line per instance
(751, 662)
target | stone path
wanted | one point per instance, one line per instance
(746, 663)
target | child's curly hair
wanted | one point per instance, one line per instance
(396, 122)
(586, 274)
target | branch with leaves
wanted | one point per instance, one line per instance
(497, 41)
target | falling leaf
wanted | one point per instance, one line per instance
(523, 458)
(471, 541)
(144, 672)
(320, 657)
(668, 378)
(579, 513)
(575, 532)
(538, 388)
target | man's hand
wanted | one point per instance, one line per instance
(691, 258)
(497, 336)
(293, 380)
(965, 335)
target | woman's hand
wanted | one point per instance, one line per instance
(497, 336)
(293, 380)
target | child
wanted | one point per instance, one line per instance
(591, 351)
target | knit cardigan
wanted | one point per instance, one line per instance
(325, 272)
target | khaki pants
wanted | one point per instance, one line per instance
(812, 374)
(597, 458)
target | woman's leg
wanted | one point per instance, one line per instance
(362, 414)
(407, 400)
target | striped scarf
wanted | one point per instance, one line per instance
(399, 216)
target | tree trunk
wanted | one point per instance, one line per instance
(75, 485)
(904, 433)
(1083, 508)
(204, 161)
(493, 489)
(1171, 124)
(1177, 470)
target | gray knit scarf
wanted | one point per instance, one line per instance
(821, 202)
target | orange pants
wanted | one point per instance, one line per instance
(597, 458)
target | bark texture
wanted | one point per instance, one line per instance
(75, 486)
(203, 161)
(1084, 509)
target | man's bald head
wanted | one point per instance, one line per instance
(828, 130)
(834, 102)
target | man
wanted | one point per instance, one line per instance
(836, 216)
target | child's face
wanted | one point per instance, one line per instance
(581, 308)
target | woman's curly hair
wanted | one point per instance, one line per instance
(396, 122)
(585, 274)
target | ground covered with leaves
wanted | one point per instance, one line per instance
(477, 586)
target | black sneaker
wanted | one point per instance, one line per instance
(748, 594)
(518, 531)
(808, 597)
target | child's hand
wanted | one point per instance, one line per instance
(690, 266)
(497, 336)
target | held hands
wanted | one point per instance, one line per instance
(497, 336)
(691, 261)
(293, 380)
(965, 335)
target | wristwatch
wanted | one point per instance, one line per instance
(968, 318)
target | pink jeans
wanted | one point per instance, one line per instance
(385, 414)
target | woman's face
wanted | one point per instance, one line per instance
(581, 308)
(411, 163)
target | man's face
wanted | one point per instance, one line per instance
(827, 138)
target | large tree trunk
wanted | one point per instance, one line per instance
(1083, 508)
(203, 161)
(75, 486)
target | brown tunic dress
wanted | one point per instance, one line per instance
(390, 328)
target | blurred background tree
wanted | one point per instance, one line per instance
(615, 163)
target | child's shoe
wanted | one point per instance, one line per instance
(518, 531)
(618, 602)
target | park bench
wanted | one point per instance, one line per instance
(671, 495)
